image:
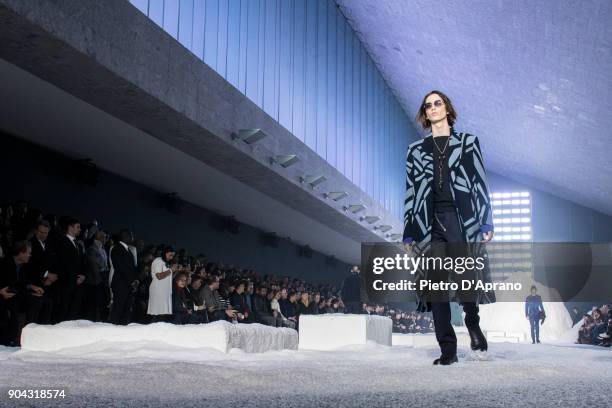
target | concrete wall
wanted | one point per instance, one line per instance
(47, 181)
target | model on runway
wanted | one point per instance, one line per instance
(447, 213)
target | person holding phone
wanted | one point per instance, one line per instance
(160, 290)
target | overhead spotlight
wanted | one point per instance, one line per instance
(285, 160)
(383, 228)
(395, 237)
(336, 195)
(355, 208)
(314, 179)
(225, 223)
(305, 251)
(330, 260)
(85, 171)
(250, 135)
(172, 203)
(269, 239)
(370, 219)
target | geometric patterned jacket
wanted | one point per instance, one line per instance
(469, 190)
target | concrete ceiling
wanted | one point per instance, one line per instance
(531, 79)
(38, 111)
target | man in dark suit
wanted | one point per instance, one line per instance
(239, 304)
(262, 311)
(124, 280)
(351, 291)
(96, 282)
(39, 274)
(70, 269)
(14, 291)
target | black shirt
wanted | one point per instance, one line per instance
(442, 198)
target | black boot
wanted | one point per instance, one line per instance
(446, 360)
(478, 342)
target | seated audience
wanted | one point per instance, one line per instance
(183, 308)
(238, 303)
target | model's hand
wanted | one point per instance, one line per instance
(409, 248)
(487, 236)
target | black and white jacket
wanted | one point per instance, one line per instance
(469, 190)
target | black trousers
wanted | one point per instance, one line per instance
(68, 304)
(448, 241)
(40, 309)
(123, 299)
(97, 298)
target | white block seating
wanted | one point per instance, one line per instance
(221, 335)
(330, 331)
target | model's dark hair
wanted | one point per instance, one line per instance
(421, 117)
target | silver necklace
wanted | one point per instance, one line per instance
(443, 150)
(441, 162)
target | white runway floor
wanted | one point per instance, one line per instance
(141, 374)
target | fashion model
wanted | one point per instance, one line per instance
(534, 311)
(447, 213)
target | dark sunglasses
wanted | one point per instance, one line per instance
(437, 103)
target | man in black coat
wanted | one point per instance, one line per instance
(238, 303)
(70, 269)
(96, 283)
(14, 292)
(287, 304)
(39, 274)
(262, 311)
(351, 291)
(125, 279)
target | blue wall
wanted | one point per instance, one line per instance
(301, 63)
